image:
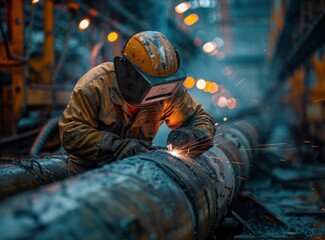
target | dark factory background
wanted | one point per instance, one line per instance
(245, 59)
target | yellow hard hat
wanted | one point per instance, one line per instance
(152, 53)
(149, 69)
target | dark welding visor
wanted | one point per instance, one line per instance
(139, 88)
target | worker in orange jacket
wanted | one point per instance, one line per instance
(116, 109)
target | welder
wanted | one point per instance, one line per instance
(117, 107)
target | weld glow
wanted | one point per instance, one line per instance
(174, 152)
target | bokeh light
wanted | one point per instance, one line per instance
(197, 41)
(209, 47)
(222, 102)
(214, 52)
(84, 24)
(208, 86)
(214, 88)
(231, 103)
(182, 7)
(200, 84)
(112, 37)
(189, 82)
(219, 41)
(191, 19)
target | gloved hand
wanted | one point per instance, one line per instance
(190, 140)
(131, 147)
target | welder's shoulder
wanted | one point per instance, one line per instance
(97, 76)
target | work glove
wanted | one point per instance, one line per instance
(191, 141)
(131, 147)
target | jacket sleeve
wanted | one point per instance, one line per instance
(185, 111)
(79, 129)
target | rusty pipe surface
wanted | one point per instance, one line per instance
(155, 195)
(18, 175)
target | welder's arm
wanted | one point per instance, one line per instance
(80, 135)
(192, 127)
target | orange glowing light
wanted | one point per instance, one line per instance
(112, 37)
(84, 24)
(200, 84)
(35, 1)
(207, 87)
(214, 88)
(231, 103)
(191, 19)
(182, 7)
(189, 82)
(93, 12)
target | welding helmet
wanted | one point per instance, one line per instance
(148, 70)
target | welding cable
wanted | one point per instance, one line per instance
(43, 135)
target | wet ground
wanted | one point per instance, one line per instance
(279, 203)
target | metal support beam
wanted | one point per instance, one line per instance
(12, 64)
(309, 42)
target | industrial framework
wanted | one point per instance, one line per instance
(157, 195)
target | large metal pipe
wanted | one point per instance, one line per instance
(18, 175)
(149, 196)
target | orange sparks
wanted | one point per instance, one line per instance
(237, 162)
(238, 122)
(319, 100)
(271, 144)
(241, 178)
(218, 158)
(240, 82)
(258, 149)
